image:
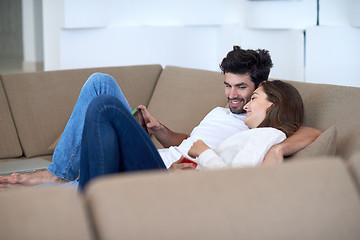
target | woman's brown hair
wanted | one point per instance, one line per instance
(287, 111)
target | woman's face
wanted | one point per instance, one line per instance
(256, 109)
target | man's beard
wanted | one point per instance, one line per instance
(239, 109)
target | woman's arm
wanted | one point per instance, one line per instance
(207, 158)
(244, 149)
(299, 140)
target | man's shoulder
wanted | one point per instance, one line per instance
(226, 111)
(215, 113)
(220, 110)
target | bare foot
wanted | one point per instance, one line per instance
(31, 179)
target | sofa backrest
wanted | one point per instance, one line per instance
(327, 105)
(354, 167)
(41, 103)
(314, 199)
(9, 141)
(183, 97)
(44, 213)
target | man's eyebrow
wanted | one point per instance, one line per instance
(237, 85)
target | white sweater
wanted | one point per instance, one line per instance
(244, 149)
(217, 126)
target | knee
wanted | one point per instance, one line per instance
(102, 104)
(99, 80)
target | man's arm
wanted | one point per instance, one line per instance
(299, 140)
(168, 138)
(165, 136)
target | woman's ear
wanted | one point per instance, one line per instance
(270, 107)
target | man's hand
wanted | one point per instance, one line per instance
(299, 140)
(176, 166)
(152, 124)
(197, 148)
(274, 155)
(165, 136)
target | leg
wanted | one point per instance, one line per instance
(66, 159)
(113, 142)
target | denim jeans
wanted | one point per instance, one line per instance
(66, 159)
(113, 141)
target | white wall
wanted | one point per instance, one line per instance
(354, 15)
(111, 32)
(32, 35)
(280, 14)
(339, 12)
(113, 46)
(104, 13)
(197, 34)
(332, 55)
(53, 21)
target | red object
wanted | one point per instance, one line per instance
(186, 160)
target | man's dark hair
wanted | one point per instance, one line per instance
(256, 63)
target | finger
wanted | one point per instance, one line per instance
(152, 125)
(15, 178)
(187, 165)
(144, 111)
(4, 179)
(141, 107)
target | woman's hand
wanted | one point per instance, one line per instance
(178, 165)
(197, 148)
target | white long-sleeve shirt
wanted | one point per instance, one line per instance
(244, 149)
(217, 126)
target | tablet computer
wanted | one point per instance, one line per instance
(139, 117)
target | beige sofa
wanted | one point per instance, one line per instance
(313, 195)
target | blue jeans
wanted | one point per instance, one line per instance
(113, 141)
(66, 159)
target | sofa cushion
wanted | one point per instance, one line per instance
(9, 142)
(324, 145)
(24, 165)
(45, 213)
(327, 105)
(184, 96)
(54, 144)
(354, 165)
(42, 102)
(297, 200)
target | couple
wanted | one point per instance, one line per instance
(102, 137)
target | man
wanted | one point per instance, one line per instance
(244, 70)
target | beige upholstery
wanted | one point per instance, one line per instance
(324, 145)
(184, 96)
(41, 103)
(45, 213)
(312, 198)
(9, 144)
(297, 200)
(354, 165)
(328, 105)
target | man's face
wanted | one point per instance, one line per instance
(238, 89)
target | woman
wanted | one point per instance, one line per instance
(274, 112)
(111, 136)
